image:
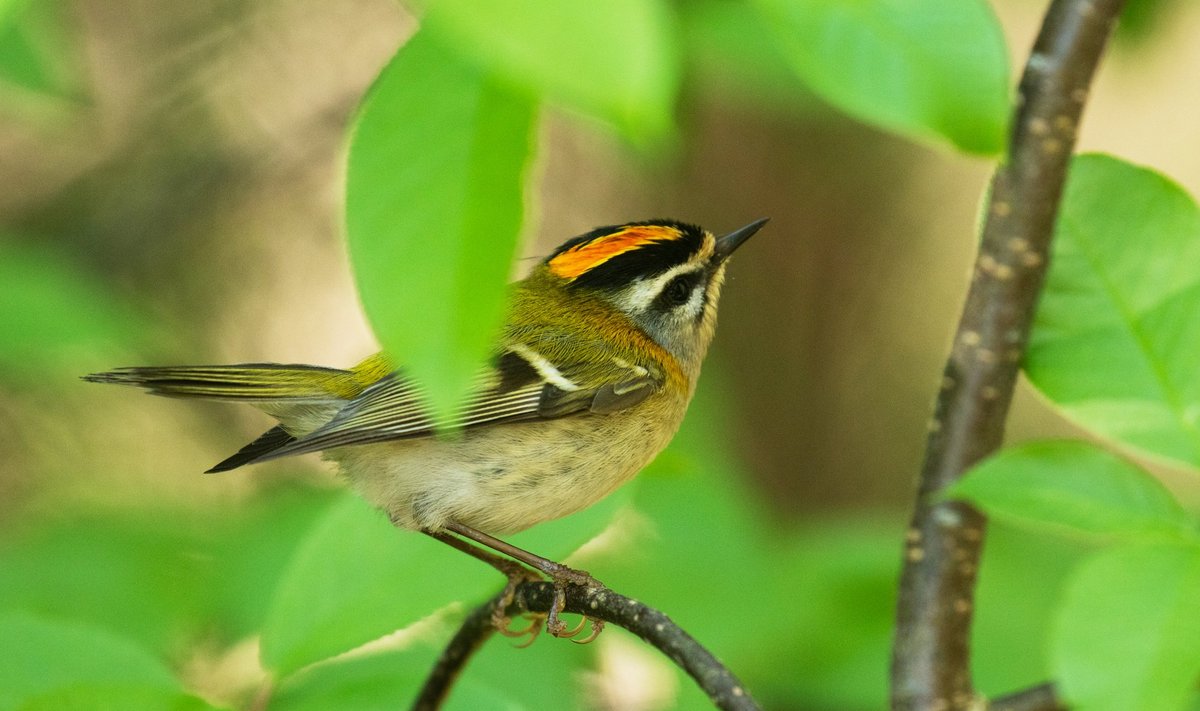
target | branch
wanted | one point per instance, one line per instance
(654, 627)
(475, 630)
(931, 655)
(1035, 698)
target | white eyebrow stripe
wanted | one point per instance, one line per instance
(642, 294)
(543, 367)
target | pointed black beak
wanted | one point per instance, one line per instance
(727, 244)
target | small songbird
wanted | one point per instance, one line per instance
(596, 364)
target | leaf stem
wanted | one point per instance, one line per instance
(931, 653)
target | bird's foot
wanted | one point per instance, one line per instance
(563, 577)
(517, 574)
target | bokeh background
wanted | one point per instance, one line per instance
(170, 192)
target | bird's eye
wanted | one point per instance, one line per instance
(679, 291)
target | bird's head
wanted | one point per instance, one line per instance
(665, 276)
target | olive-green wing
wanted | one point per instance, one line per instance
(517, 387)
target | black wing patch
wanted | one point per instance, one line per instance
(268, 442)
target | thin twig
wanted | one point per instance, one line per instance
(1036, 698)
(474, 631)
(654, 627)
(930, 658)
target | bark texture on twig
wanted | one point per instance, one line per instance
(474, 631)
(930, 658)
(654, 627)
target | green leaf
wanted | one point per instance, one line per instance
(561, 672)
(617, 60)
(8, 8)
(729, 49)
(162, 578)
(381, 682)
(922, 68)
(701, 539)
(353, 579)
(144, 581)
(1021, 580)
(44, 656)
(1143, 20)
(1116, 337)
(1128, 637)
(1073, 484)
(90, 697)
(52, 313)
(356, 578)
(434, 206)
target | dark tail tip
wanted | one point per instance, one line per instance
(121, 376)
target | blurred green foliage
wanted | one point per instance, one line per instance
(1089, 565)
(936, 69)
(54, 313)
(35, 53)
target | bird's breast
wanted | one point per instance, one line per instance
(506, 478)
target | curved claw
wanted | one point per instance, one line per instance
(568, 634)
(503, 626)
(535, 628)
(501, 621)
(597, 628)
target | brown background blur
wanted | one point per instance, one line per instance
(200, 179)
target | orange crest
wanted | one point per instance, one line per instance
(591, 254)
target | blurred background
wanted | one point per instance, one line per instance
(170, 192)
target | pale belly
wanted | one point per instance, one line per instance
(509, 477)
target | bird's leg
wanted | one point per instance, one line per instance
(561, 575)
(557, 572)
(516, 575)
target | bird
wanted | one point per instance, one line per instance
(598, 358)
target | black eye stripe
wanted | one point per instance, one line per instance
(677, 291)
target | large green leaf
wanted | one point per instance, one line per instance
(730, 50)
(434, 206)
(924, 68)
(126, 697)
(382, 682)
(144, 581)
(616, 60)
(163, 578)
(1073, 484)
(1128, 638)
(1021, 578)
(356, 578)
(45, 658)
(1116, 342)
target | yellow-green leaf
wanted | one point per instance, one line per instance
(1128, 635)
(1116, 340)
(932, 69)
(617, 60)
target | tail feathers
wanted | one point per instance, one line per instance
(270, 440)
(251, 381)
